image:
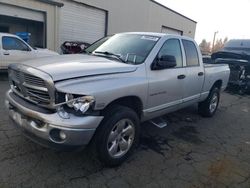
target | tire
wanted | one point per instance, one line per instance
(117, 135)
(208, 107)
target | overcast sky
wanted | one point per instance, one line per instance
(231, 18)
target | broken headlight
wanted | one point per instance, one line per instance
(79, 104)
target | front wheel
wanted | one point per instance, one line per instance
(208, 107)
(117, 135)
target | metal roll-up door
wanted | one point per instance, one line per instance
(19, 12)
(16, 19)
(169, 30)
(79, 22)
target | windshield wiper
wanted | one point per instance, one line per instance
(111, 54)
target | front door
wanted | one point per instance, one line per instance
(166, 86)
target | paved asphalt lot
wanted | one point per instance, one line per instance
(191, 152)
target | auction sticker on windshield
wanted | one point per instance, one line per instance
(150, 38)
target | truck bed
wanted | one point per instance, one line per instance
(213, 65)
(213, 72)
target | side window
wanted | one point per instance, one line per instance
(191, 53)
(12, 43)
(172, 47)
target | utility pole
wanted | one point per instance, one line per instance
(214, 40)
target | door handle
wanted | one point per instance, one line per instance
(6, 53)
(200, 73)
(182, 76)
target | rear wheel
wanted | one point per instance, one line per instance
(117, 135)
(208, 107)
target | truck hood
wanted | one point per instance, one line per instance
(43, 52)
(62, 67)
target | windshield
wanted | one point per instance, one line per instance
(96, 44)
(133, 48)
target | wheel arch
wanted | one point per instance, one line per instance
(132, 102)
(217, 84)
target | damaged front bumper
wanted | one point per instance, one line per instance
(48, 128)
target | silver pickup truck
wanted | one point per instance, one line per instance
(100, 98)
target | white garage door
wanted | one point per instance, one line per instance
(19, 12)
(170, 31)
(79, 22)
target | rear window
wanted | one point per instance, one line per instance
(191, 53)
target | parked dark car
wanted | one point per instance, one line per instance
(74, 47)
(207, 59)
(236, 54)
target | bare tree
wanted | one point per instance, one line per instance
(205, 47)
(219, 44)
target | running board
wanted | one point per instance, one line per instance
(159, 122)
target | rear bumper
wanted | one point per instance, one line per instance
(49, 129)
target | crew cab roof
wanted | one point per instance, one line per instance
(155, 34)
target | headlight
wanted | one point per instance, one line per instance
(81, 104)
(68, 99)
(62, 113)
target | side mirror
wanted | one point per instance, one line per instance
(164, 62)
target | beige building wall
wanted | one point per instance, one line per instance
(141, 15)
(123, 16)
(160, 16)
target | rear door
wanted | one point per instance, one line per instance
(194, 72)
(14, 50)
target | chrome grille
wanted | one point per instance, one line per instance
(38, 95)
(33, 80)
(30, 87)
(16, 75)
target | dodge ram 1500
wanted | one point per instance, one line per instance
(101, 98)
